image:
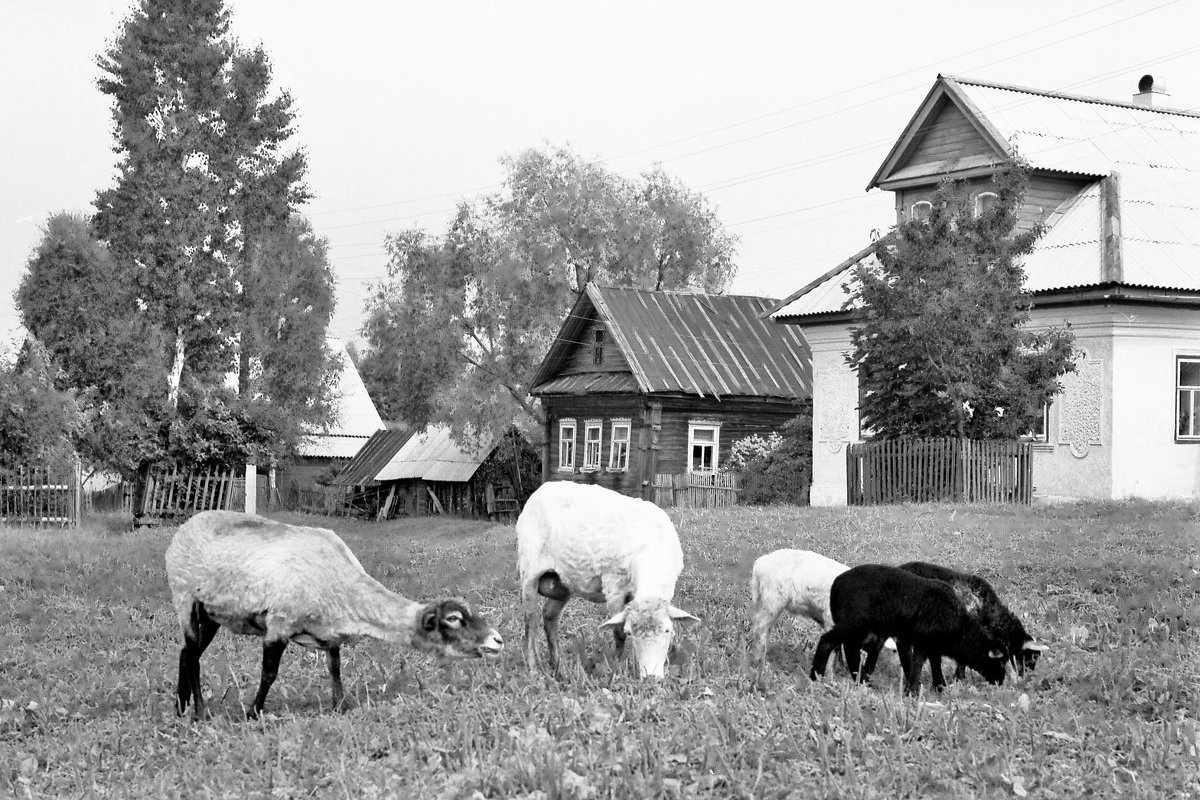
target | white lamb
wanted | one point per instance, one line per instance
(594, 543)
(288, 583)
(797, 581)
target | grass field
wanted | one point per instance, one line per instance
(89, 648)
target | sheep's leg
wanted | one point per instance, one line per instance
(917, 658)
(551, 611)
(196, 637)
(760, 631)
(529, 605)
(935, 671)
(272, 652)
(828, 642)
(960, 671)
(335, 676)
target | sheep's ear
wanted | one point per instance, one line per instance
(615, 621)
(1033, 645)
(679, 615)
(429, 618)
(996, 652)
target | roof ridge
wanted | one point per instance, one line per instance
(1080, 98)
(685, 292)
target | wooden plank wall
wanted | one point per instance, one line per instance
(656, 447)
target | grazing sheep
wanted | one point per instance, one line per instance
(1018, 646)
(288, 583)
(926, 617)
(591, 542)
(797, 581)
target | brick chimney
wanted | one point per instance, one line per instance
(1149, 93)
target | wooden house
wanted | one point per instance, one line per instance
(416, 473)
(1114, 183)
(639, 383)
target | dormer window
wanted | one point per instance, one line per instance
(920, 211)
(598, 347)
(984, 202)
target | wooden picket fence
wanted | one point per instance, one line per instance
(939, 470)
(173, 492)
(41, 495)
(696, 490)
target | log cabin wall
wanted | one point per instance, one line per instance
(662, 451)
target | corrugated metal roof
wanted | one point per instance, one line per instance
(1085, 135)
(1154, 154)
(707, 345)
(434, 456)
(355, 418)
(430, 455)
(372, 456)
(590, 383)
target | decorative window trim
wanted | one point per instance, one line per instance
(1192, 393)
(977, 204)
(926, 205)
(705, 425)
(593, 463)
(566, 444)
(622, 459)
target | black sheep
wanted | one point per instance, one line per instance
(983, 602)
(926, 618)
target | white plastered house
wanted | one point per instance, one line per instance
(1118, 186)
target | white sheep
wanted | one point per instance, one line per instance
(288, 583)
(796, 581)
(591, 542)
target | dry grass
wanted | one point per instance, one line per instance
(88, 654)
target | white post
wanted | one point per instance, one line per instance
(251, 489)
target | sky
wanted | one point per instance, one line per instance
(779, 112)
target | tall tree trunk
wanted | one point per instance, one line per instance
(176, 375)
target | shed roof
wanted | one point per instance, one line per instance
(430, 454)
(680, 342)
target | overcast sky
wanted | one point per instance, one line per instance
(779, 112)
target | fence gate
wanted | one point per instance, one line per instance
(41, 495)
(939, 470)
(172, 492)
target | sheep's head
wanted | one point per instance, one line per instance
(650, 625)
(450, 627)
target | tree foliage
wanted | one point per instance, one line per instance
(776, 468)
(195, 265)
(37, 421)
(942, 348)
(463, 319)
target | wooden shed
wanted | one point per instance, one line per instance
(639, 383)
(422, 472)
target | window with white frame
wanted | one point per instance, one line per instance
(591, 443)
(1041, 426)
(704, 441)
(985, 201)
(1187, 402)
(618, 448)
(566, 445)
(920, 210)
